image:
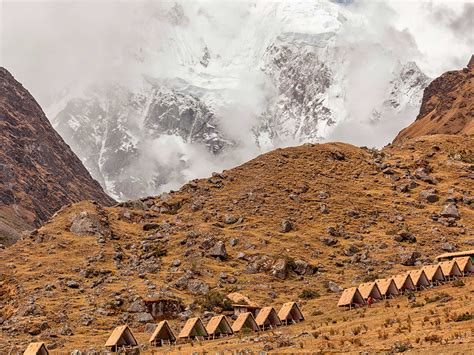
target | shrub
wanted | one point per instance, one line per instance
(416, 304)
(433, 338)
(400, 347)
(317, 312)
(442, 296)
(214, 299)
(309, 294)
(458, 283)
(370, 277)
(463, 317)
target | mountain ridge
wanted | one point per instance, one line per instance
(40, 173)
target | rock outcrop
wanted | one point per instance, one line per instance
(447, 106)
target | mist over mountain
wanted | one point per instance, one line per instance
(150, 95)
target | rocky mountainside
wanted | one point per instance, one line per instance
(447, 106)
(283, 79)
(282, 223)
(297, 223)
(39, 173)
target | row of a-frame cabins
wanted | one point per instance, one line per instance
(194, 329)
(427, 276)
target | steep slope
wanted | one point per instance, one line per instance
(39, 173)
(283, 76)
(305, 218)
(447, 106)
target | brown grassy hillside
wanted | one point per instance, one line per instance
(447, 106)
(305, 218)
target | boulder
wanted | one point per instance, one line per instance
(137, 306)
(450, 210)
(86, 223)
(334, 287)
(405, 236)
(72, 284)
(410, 258)
(197, 287)
(280, 268)
(286, 226)
(230, 219)
(143, 317)
(448, 247)
(429, 195)
(218, 250)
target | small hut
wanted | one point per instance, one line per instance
(434, 274)
(290, 313)
(388, 288)
(162, 335)
(193, 329)
(450, 256)
(245, 322)
(351, 297)
(121, 338)
(242, 304)
(218, 326)
(450, 269)
(419, 279)
(465, 265)
(267, 318)
(36, 349)
(370, 289)
(404, 282)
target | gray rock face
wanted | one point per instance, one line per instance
(450, 210)
(114, 127)
(86, 223)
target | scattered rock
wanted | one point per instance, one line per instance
(451, 210)
(137, 306)
(72, 284)
(409, 259)
(198, 287)
(86, 223)
(429, 195)
(218, 250)
(448, 247)
(143, 317)
(405, 236)
(286, 226)
(334, 287)
(230, 219)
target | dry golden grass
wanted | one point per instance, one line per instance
(259, 192)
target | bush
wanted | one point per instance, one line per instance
(463, 317)
(400, 347)
(214, 299)
(370, 277)
(458, 283)
(308, 294)
(442, 296)
(433, 338)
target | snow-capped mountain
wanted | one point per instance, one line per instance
(221, 85)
